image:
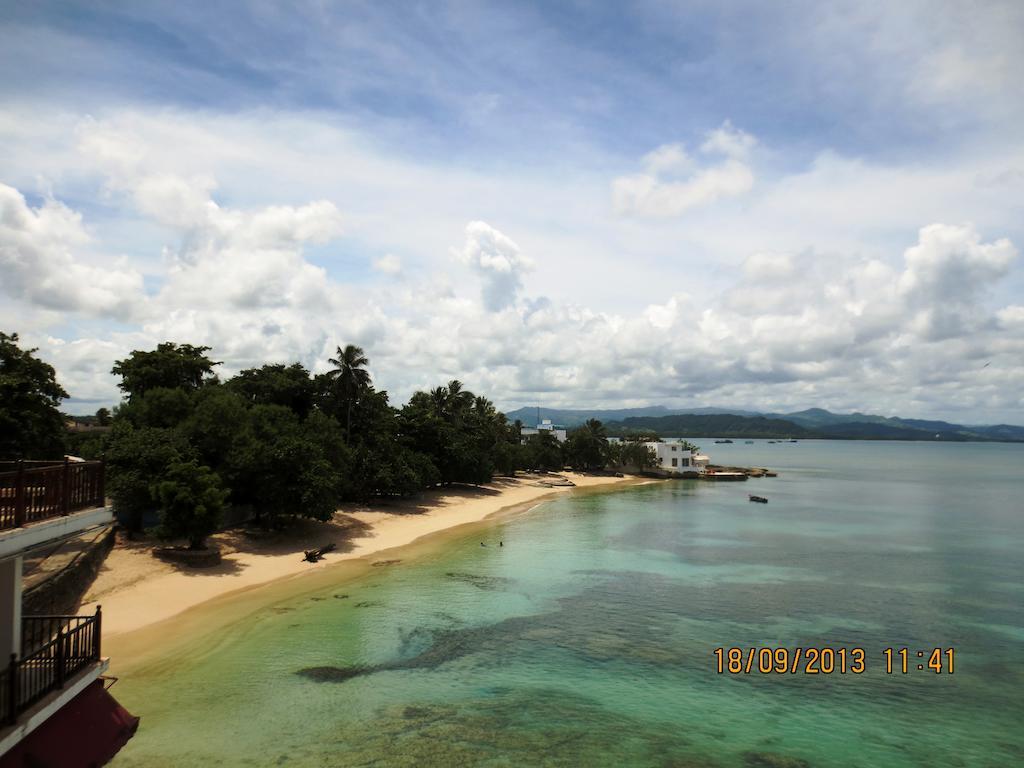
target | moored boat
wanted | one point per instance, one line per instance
(758, 499)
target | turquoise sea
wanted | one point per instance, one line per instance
(588, 638)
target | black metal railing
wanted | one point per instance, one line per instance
(54, 649)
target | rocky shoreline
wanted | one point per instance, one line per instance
(748, 471)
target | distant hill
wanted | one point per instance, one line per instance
(817, 417)
(809, 423)
(711, 425)
(864, 430)
(1001, 432)
(575, 417)
(866, 426)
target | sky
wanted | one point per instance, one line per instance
(766, 206)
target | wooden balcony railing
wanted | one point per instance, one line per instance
(34, 491)
(73, 646)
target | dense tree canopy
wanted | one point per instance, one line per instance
(171, 366)
(274, 439)
(285, 444)
(191, 502)
(587, 446)
(289, 386)
(31, 426)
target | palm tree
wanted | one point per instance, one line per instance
(350, 378)
(459, 399)
(597, 429)
(440, 397)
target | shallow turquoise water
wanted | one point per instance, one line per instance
(587, 639)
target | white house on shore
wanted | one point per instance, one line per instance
(674, 458)
(557, 430)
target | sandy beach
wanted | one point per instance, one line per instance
(137, 590)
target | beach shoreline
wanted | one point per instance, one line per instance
(138, 591)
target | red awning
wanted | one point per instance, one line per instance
(87, 731)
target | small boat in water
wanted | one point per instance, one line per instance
(749, 442)
(758, 499)
(722, 442)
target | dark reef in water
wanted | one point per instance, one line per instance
(332, 674)
(772, 760)
(546, 727)
(489, 583)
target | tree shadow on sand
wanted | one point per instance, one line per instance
(441, 497)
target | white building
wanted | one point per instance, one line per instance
(674, 458)
(54, 707)
(557, 430)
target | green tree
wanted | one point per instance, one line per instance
(543, 451)
(30, 424)
(634, 454)
(191, 502)
(162, 407)
(349, 379)
(103, 417)
(219, 429)
(587, 446)
(290, 474)
(290, 386)
(137, 459)
(170, 365)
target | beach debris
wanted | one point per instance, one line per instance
(378, 563)
(314, 555)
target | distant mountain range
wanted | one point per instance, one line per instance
(810, 423)
(573, 418)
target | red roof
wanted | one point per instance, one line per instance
(87, 731)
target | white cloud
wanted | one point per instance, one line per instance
(37, 247)
(497, 260)
(729, 141)
(947, 271)
(657, 193)
(668, 159)
(789, 305)
(388, 264)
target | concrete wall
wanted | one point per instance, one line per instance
(62, 592)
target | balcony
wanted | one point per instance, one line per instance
(35, 491)
(54, 650)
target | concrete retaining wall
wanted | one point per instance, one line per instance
(61, 593)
